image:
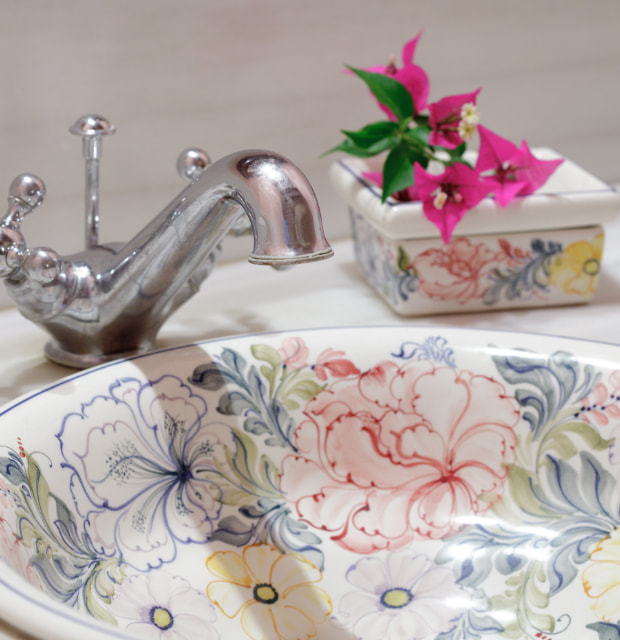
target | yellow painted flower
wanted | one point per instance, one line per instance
(601, 578)
(576, 269)
(274, 593)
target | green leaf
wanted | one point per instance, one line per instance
(373, 134)
(397, 170)
(418, 136)
(347, 146)
(458, 152)
(389, 92)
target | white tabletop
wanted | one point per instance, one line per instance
(239, 298)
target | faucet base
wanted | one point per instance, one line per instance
(55, 353)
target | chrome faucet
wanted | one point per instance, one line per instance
(110, 300)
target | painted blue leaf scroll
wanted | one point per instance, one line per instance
(523, 282)
(605, 630)
(71, 568)
(435, 348)
(245, 393)
(545, 384)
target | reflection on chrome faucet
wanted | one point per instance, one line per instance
(109, 301)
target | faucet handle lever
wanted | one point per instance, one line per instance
(192, 162)
(26, 193)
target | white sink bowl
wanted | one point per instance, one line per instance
(391, 483)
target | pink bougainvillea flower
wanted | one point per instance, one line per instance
(511, 170)
(412, 76)
(447, 196)
(400, 452)
(453, 119)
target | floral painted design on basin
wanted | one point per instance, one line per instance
(368, 483)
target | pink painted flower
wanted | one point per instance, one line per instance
(7, 500)
(398, 452)
(458, 271)
(15, 553)
(602, 406)
(453, 119)
(332, 362)
(447, 196)
(294, 353)
(412, 76)
(511, 170)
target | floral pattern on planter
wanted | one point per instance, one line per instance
(480, 272)
(298, 486)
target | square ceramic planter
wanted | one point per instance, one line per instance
(542, 249)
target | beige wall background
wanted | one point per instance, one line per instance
(233, 74)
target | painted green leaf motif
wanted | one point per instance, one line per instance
(561, 440)
(403, 261)
(525, 596)
(256, 474)
(305, 388)
(266, 353)
(99, 588)
(521, 486)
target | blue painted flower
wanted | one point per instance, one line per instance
(401, 597)
(150, 474)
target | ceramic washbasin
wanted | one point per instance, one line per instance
(397, 482)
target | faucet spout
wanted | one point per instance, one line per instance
(110, 301)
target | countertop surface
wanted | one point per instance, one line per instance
(239, 298)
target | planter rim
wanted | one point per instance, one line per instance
(572, 197)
